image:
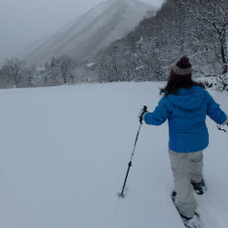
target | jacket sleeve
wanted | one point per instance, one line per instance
(159, 115)
(214, 111)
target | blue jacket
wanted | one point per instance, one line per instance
(186, 113)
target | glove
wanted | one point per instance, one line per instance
(142, 112)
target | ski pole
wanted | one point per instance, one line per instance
(121, 194)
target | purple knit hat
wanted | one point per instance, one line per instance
(182, 71)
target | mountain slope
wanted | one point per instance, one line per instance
(83, 38)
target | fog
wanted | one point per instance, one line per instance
(27, 21)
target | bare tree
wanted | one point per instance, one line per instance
(61, 70)
(14, 69)
(28, 75)
(66, 67)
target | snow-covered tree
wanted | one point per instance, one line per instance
(13, 70)
(60, 71)
(213, 15)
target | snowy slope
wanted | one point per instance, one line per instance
(85, 37)
(64, 154)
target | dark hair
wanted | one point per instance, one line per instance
(174, 86)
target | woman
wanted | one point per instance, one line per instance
(185, 104)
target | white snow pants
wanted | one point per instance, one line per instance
(186, 167)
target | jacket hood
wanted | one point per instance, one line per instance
(187, 98)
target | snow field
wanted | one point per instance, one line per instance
(64, 153)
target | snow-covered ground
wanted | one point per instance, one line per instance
(64, 153)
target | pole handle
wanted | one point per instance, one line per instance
(145, 107)
(144, 110)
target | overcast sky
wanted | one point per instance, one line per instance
(23, 22)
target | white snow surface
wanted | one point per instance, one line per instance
(64, 153)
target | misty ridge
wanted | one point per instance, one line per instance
(127, 40)
(92, 32)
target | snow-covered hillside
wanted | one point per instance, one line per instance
(83, 38)
(64, 153)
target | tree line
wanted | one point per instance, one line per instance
(15, 73)
(196, 28)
